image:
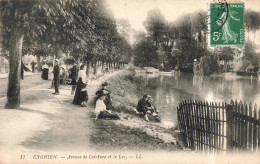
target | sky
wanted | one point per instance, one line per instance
(136, 10)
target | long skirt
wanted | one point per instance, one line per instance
(45, 74)
(106, 115)
(80, 96)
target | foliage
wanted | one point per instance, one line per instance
(226, 54)
(146, 53)
(70, 61)
(172, 44)
(252, 20)
(74, 27)
(250, 54)
(155, 24)
(78, 28)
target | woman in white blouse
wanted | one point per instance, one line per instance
(45, 71)
(82, 73)
(101, 111)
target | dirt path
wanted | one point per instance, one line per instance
(46, 122)
(28, 82)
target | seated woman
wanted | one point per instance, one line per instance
(107, 100)
(100, 109)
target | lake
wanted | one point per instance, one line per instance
(168, 90)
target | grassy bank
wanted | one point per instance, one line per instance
(131, 132)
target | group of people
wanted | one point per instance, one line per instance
(103, 104)
(79, 82)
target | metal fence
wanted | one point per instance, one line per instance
(218, 127)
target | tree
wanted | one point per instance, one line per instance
(16, 18)
(32, 19)
(124, 29)
(78, 28)
(155, 24)
(226, 54)
(146, 53)
(250, 54)
(252, 21)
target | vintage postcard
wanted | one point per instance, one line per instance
(129, 81)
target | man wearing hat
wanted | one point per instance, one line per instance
(144, 106)
(56, 76)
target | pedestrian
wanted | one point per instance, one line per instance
(45, 71)
(56, 77)
(33, 66)
(63, 76)
(107, 100)
(100, 109)
(81, 95)
(144, 106)
(73, 73)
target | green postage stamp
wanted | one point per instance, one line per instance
(227, 24)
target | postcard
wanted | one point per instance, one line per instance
(129, 81)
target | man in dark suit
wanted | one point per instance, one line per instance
(33, 66)
(56, 77)
(144, 105)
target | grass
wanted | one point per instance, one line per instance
(109, 135)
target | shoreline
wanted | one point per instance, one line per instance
(51, 123)
(132, 132)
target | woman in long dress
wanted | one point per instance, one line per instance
(73, 76)
(100, 109)
(45, 71)
(81, 95)
(228, 34)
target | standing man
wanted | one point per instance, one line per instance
(33, 66)
(56, 77)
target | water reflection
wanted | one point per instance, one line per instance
(168, 91)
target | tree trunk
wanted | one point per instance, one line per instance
(102, 66)
(38, 63)
(13, 91)
(225, 67)
(108, 63)
(95, 67)
(78, 62)
(88, 67)
(111, 66)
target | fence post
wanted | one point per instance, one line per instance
(229, 129)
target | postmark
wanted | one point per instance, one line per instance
(226, 24)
